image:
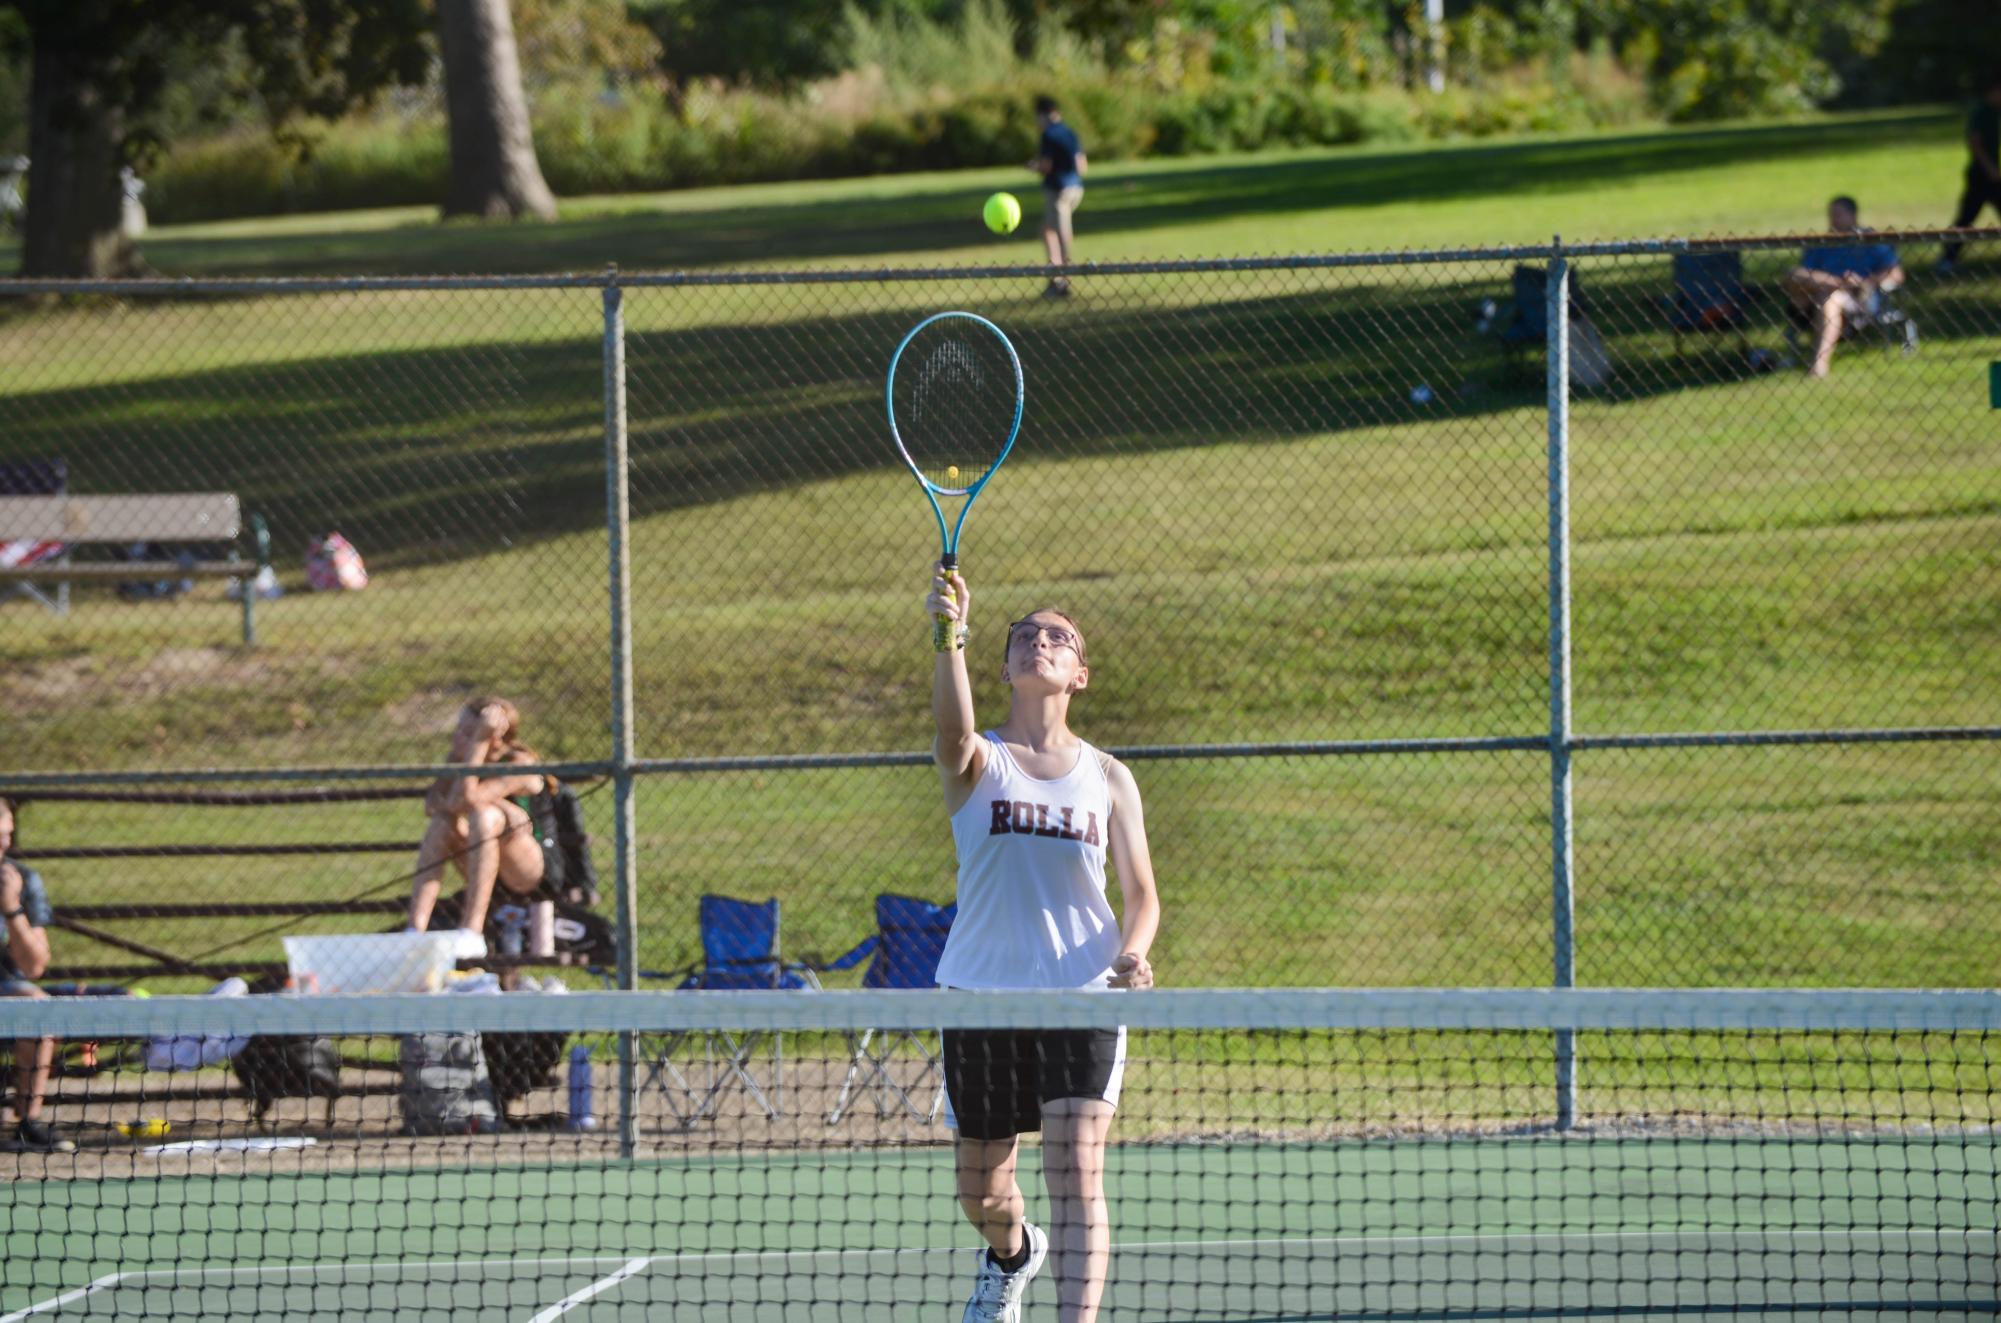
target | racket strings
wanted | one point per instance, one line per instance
(955, 406)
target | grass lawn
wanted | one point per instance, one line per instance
(1738, 179)
(1224, 475)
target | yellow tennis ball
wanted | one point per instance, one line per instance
(951, 470)
(1002, 213)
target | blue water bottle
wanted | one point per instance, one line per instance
(580, 1089)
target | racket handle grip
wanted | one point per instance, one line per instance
(942, 627)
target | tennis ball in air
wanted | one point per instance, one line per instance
(951, 470)
(1002, 213)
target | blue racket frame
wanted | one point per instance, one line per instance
(948, 540)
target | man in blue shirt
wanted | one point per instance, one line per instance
(24, 918)
(1983, 168)
(1060, 161)
(1839, 283)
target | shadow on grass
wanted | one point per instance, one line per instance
(930, 217)
(441, 454)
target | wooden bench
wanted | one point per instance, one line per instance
(134, 930)
(132, 927)
(75, 520)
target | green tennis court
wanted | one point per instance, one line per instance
(1528, 1227)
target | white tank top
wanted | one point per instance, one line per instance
(1032, 907)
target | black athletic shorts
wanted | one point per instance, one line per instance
(996, 1080)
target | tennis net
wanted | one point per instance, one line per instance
(1384, 1154)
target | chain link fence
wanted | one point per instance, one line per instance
(1311, 513)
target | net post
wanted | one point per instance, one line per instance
(1557, 327)
(618, 511)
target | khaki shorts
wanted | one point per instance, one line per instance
(1059, 203)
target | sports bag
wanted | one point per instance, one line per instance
(559, 823)
(274, 1066)
(445, 1088)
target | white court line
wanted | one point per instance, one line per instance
(1476, 1237)
(575, 1298)
(372, 1268)
(67, 1297)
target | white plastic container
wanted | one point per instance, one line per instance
(378, 962)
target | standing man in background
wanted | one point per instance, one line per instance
(1060, 161)
(1983, 171)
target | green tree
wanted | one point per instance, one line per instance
(748, 41)
(494, 171)
(1708, 59)
(98, 77)
(1937, 50)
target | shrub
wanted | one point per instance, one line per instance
(862, 124)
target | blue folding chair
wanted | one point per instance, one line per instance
(1710, 297)
(739, 953)
(910, 936)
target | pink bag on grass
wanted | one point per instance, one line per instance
(332, 564)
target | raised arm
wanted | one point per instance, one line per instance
(1140, 914)
(958, 750)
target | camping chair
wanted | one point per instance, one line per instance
(739, 953)
(910, 936)
(1709, 297)
(39, 477)
(1527, 333)
(1882, 318)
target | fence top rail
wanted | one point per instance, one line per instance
(191, 286)
(73, 785)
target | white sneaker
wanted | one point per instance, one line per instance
(997, 1294)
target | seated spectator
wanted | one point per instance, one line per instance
(1837, 283)
(481, 824)
(24, 906)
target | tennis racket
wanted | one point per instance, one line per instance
(954, 395)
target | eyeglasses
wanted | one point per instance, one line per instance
(1027, 631)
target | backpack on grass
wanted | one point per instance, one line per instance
(274, 1066)
(446, 1089)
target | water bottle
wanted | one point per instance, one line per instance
(580, 1089)
(513, 929)
(542, 929)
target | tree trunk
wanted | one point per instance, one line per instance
(494, 171)
(74, 150)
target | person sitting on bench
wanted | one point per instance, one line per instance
(24, 908)
(481, 824)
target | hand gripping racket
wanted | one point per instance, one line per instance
(954, 395)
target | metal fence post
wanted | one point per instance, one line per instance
(618, 509)
(1562, 877)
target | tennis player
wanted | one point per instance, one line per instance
(1034, 810)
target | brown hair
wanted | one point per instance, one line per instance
(510, 733)
(1007, 641)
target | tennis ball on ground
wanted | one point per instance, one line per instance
(1002, 213)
